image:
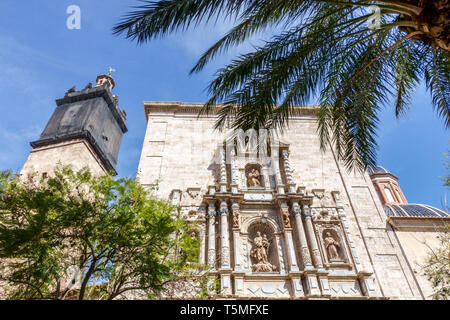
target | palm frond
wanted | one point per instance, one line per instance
(325, 49)
(437, 77)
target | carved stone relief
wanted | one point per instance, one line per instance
(236, 212)
(324, 214)
(332, 247)
(253, 178)
(332, 242)
(192, 196)
(285, 215)
(253, 175)
(260, 252)
(263, 252)
(322, 198)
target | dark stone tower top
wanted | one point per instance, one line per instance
(91, 114)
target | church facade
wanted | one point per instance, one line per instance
(291, 224)
(278, 218)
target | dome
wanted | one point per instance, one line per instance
(414, 210)
(377, 169)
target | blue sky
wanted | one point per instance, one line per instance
(40, 59)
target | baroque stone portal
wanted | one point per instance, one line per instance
(260, 251)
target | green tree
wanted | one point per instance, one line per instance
(437, 267)
(325, 50)
(74, 235)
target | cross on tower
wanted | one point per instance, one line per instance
(111, 70)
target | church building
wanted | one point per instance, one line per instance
(278, 218)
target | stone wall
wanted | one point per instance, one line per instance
(77, 153)
(180, 153)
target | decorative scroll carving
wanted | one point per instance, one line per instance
(236, 213)
(226, 256)
(318, 193)
(287, 167)
(324, 215)
(305, 255)
(212, 257)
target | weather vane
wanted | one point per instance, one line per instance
(111, 70)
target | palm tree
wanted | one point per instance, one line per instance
(327, 49)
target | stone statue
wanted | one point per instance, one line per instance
(260, 252)
(71, 90)
(253, 178)
(332, 247)
(286, 220)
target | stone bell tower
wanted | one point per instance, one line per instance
(85, 129)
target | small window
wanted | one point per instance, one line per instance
(388, 193)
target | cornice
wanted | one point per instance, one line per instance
(187, 108)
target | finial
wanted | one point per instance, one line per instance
(71, 90)
(111, 70)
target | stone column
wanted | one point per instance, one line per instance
(317, 260)
(225, 238)
(281, 257)
(203, 237)
(212, 236)
(306, 257)
(234, 173)
(223, 171)
(175, 197)
(267, 182)
(278, 180)
(288, 171)
(236, 236)
(284, 208)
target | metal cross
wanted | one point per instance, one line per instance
(111, 70)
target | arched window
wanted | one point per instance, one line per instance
(388, 194)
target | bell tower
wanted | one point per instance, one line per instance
(85, 130)
(387, 186)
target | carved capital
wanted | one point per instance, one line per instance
(211, 211)
(296, 209)
(306, 210)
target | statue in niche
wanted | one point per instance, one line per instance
(286, 220)
(332, 247)
(253, 178)
(260, 252)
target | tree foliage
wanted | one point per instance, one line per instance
(121, 239)
(437, 268)
(325, 50)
